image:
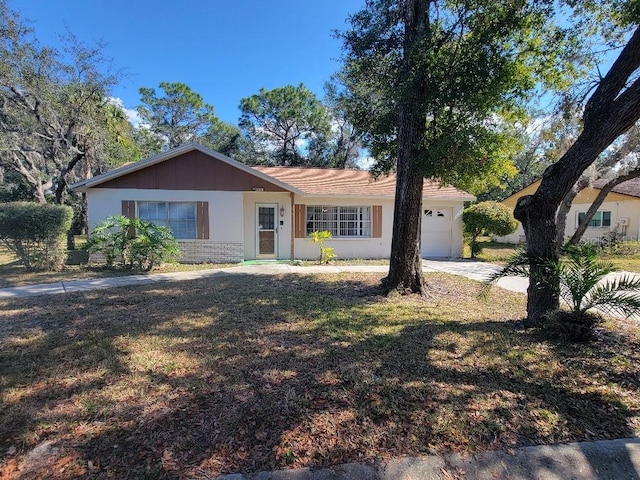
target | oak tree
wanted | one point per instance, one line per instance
(431, 82)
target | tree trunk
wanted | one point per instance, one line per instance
(565, 207)
(405, 263)
(613, 109)
(537, 213)
(539, 223)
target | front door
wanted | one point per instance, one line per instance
(266, 230)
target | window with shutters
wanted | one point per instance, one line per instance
(180, 217)
(340, 221)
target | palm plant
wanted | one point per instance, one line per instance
(580, 277)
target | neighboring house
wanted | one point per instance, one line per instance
(221, 210)
(620, 212)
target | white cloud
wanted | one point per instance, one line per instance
(132, 114)
(365, 162)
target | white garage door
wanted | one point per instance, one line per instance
(436, 231)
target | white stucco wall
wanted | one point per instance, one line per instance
(232, 222)
(350, 247)
(226, 228)
(619, 210)
(225, 208)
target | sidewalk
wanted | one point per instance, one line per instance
(601, 460)
(467, 268)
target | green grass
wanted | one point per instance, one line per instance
(625, 256)
(248, 373)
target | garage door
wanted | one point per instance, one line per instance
(436, 232)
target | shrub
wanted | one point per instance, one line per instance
(36, 233)
(492, 218)
(326, 253)
(582, 287)
(132, 243)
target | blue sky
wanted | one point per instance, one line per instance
(224, 50)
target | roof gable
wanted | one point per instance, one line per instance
(190, 167)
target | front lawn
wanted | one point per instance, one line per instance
(248, 373)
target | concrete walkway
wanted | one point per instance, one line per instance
(467, 268)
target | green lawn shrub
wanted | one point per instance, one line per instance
(318, 238)
(36, 233)
(490, 218)
(133, 244)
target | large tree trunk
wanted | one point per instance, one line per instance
(611, 110)
(405, 263)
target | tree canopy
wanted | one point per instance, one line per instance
(54, 109)
(177, 116)
(280, 121)
(431, 84)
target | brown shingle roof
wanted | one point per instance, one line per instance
(630, 187)
(329, 181)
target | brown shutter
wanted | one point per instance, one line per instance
(129, 208)
(300, 214)
(129, 211)
(202, 220)
(376, 221)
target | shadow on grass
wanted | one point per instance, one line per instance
(247, 373)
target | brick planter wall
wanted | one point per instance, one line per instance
(198, 251)
(209, 251)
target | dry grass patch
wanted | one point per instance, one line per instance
(246, 373)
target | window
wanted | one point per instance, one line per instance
(430, 213)
(340, 221)
(600, 219)
(180, 217)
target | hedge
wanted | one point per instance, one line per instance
(36, 233)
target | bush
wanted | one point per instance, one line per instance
(326, 253)
(492, 218)
(583, 288)
(36, 233)
(132, 243)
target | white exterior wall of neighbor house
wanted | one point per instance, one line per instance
(283, 235)
(225, 243)
(619, 210)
